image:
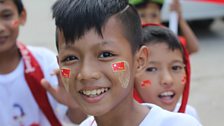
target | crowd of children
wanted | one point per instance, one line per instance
(104, 55)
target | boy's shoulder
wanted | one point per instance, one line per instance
(160, 117)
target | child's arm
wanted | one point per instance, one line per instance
(62, 96)
(192, 41)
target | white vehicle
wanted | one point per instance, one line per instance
(193, 10)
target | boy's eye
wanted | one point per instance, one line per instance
(105, 55)
(151, 69)
(69, 59)
(7, 15)
(177, 68)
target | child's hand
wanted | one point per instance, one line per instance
(59, 93)
(175, 6)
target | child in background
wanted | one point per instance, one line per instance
(97, 44)
(150, 12)
(23, 101)
(167, 75)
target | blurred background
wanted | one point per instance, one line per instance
(207, 21)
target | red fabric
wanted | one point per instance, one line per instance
(211, 1)
(33, 76)
(137, 96)
(182, 40)
(186, 91)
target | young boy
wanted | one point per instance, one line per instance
(150, 12)
(97, 43)
(167, 75)
(23, 101)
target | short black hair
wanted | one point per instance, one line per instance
(19, 5)
(145, 2)
(75, 17)
(161, 34)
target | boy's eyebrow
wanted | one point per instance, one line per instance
(104, 43)
(178, 61)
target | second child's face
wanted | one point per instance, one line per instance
(9, 25)
(164, 78)
(150, 14)
(98, 71)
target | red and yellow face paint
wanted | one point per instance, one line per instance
(66, 74)
(122, 71)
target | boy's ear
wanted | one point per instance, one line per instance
(142, 58)
(23, 16)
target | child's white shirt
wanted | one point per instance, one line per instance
(18, 106)
(157, 117)
(189, 110)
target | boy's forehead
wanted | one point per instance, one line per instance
(113, 25)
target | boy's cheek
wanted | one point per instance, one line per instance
(68, 75)
(15, 23)
(145, 83)
(183, 80)
(121, 70)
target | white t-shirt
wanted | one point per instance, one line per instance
(17, 104)
(189, 110)
(157, 117)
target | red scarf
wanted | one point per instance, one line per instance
(33, 75)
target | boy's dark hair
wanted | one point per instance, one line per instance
(160, 34)
(19, 5)
(143, 3)
(75, 17)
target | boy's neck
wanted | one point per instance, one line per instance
(131, 115)
(9, 60)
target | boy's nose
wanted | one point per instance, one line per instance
(88, 72)
(166, 79)
(1, 27)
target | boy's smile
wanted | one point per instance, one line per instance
(93, 82)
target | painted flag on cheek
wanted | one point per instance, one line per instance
(15, 23)
(145, 83)
(118, 66)
(184, 80)
(65, 72)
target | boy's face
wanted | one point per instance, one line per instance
(9, 24)
(150, 13)
(164, 78)
(99, 70)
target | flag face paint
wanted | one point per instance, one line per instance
(15, 23)
(145, 83)
(65, 72)
(118, 66)
(122, 72)
(184, 80)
